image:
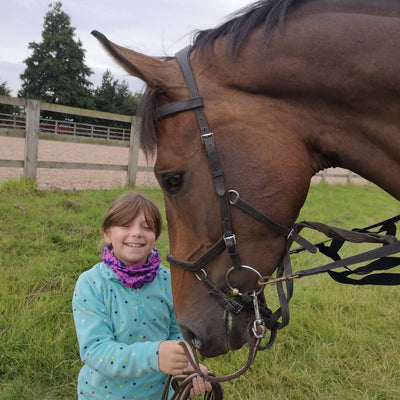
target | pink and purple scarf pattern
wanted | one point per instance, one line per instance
(133, 276)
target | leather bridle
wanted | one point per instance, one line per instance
(232, 299)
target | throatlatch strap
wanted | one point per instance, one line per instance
(290, 234)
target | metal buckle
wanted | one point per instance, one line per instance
(230, 241)
(206, 136)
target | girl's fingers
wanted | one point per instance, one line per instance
(200, 386)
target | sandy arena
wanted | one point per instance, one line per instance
(12, 148)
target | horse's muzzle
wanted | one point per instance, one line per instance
(213, 339)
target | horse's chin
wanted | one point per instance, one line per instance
(217, 339)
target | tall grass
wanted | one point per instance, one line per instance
(342, 342)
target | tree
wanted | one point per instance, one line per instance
(4, 108)
(56, 71)
(115, 97)
(4, 90)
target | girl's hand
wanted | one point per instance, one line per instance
(200, 385)
(171, 357)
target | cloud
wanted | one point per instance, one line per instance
(154, 27)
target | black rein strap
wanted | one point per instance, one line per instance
(390, 246)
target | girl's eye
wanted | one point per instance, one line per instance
(172, 182)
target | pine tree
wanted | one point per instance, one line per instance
(56, 71)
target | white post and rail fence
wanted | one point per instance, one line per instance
(32, 124)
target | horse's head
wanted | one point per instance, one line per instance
(311, 99)
(259, 159)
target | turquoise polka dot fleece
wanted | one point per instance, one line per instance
(119, 330)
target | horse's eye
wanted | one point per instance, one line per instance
(172, 181)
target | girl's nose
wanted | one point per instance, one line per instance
(135, 231)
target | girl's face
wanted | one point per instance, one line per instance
(133, 242)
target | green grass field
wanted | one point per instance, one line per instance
(342, 342)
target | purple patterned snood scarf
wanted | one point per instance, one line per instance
(133, 276)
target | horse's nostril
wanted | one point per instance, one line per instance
(190, 337)
(196, 343)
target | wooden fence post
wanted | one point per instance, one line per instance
(133, 152)
(349, 176)
(31, 138)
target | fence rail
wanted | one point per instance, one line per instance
(67, 127)
(30, 125)
(12, 121)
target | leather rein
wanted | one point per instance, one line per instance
(235, 301)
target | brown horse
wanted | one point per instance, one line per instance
(288, 88)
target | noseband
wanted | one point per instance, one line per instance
(234, 301)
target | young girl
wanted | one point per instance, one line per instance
(123, 312)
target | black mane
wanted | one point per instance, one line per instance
(241, 24)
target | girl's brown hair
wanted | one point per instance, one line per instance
(125, 209)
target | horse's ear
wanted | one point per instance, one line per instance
(149, 69)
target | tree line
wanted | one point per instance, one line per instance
(56, 72)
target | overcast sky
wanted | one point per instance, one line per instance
(153, 27)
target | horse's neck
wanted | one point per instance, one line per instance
(338, 73)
